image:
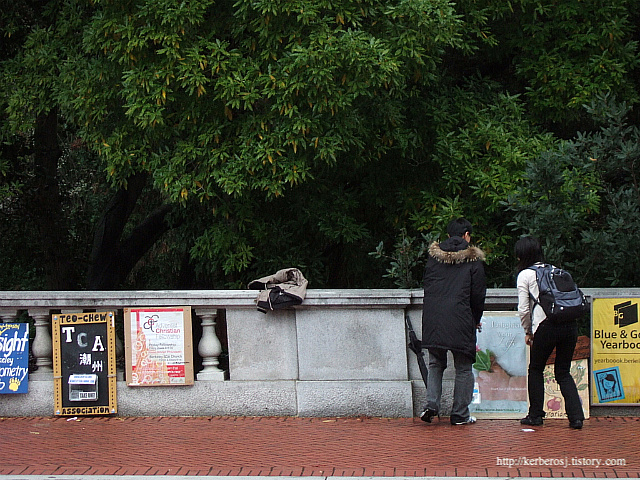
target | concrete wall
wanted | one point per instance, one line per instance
(337, 361)
(340, 353)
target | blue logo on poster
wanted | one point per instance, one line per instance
(14, 357)
(609, 384)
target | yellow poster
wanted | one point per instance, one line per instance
(615, 351)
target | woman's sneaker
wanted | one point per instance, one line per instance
(576, 424)
(532, 421)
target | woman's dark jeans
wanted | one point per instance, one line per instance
(562, 337)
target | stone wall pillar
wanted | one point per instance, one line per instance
(42, 347)
(8, 315)
(209, 347)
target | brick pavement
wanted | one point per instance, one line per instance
(288, 446)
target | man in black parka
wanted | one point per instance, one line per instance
(454, 294)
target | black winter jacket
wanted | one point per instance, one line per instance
(454, 292)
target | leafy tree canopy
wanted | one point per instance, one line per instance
(291, 132)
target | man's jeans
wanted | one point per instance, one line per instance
(463, 390)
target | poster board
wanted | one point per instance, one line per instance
(615, 351)
(14, 358)
(159, 346)
(500, 370)
(554, 401)
(84, 363)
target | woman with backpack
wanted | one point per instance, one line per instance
(543, 335)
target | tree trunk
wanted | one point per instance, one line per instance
(113, 258)
(46, 209)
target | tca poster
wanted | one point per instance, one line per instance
(14, 357)
(159, 346)
(84, 363)
(615, 351)
(500, 369)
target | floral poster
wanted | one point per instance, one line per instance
(553, 400)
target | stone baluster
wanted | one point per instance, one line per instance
(209, 347)
(8, 315)
(42, 347)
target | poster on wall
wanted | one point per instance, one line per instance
(615, 351)
(84, 363)
(159, 347)
(554, 401)
(500, 370)
(14, 358)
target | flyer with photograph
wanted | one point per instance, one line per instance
(500, 369)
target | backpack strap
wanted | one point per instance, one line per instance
(536, 302)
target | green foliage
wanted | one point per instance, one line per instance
(221, 100)
(569, 52)
(562, 191)
(482, 143)
(583, 200)
(300, 133)
(407, 260)
(83, 190)
(255, 95)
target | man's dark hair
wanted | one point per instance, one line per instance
(458, 227)
(528, 251)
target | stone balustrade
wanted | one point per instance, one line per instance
(340, 353)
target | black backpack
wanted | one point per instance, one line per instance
(560, 297)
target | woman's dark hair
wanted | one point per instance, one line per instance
(528, 252)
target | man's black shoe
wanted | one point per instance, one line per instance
(467, 421)
(428, 414)
(577, 424)
(533, 421)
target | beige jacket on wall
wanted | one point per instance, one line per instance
(283, 289)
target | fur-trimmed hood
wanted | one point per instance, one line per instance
(455, 250)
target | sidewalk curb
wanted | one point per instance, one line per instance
(218, 477)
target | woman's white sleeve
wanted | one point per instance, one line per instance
(524, 303)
